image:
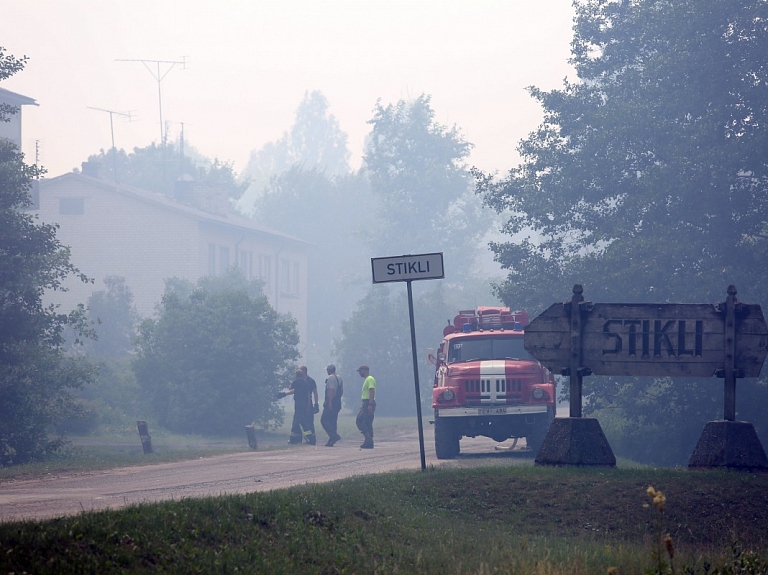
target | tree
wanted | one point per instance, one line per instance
(378, 334)
(420, 201)
(647, 179)
(215, 357)
(158, 167)
(326, 211)
(646, 171)
(421, 187)
(36, 374)
(114, 316)
(314, 142)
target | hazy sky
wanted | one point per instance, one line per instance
(249, 63)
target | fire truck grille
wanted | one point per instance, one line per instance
(472, 386)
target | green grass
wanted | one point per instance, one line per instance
(521, 520)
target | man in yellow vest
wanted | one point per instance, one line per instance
(364, 419)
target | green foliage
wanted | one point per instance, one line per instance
(111, 404)
(647, 181)
(421, 202)
(215, 357)
(114, 317)
(158, 167)
(421, 186)
(314, 142)
(36, 375)
(9, 65)
(328, 212)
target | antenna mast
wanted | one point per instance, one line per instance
(159, 75)
(112, 131)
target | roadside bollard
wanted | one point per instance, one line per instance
(146, 439)
(250, 431)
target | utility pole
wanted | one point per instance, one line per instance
(112, 131)
(162, 68)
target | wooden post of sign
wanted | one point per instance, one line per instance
(729, 443)
(729, 400)
(576, 440)
(575, 372)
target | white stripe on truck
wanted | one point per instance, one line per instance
(490, 371)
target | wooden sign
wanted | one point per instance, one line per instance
(650, 339)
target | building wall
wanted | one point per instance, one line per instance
(262, 257)
(117, 233)
(11, 130)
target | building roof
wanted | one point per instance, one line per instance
(16, 99)
(166, 202)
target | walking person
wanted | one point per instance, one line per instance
(364, 419)
(312, 385)
(334, 389)
(303, 425)
(315, 407)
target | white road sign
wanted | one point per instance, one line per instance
(407, 268)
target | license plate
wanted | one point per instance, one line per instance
(492, 411)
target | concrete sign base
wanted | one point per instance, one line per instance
(576, 441)
(729, 444)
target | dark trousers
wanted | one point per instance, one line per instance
(303, 427)
(364, 420)
(329, 420)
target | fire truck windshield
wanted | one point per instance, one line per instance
(485, 348)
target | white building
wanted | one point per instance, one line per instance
(11, 130)
(117, 230)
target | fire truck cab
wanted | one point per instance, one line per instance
(487, 385)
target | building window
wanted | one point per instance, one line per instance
(245, 264)
(265, 269)
(285, 276)
(224, 263)
(72, 206)
(211, 260)
(289, 277)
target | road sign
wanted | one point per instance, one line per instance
(407, 268)
(650, 339)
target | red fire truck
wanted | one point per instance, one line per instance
(487, 384)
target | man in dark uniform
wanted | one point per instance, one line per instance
(303, 426)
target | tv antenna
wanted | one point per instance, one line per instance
(112, 131)
(162, 69)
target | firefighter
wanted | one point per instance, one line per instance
(303, 426)
(364, 419)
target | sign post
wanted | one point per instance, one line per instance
(728, 340)
(408, 268)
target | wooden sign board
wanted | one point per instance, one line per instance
(650, 339)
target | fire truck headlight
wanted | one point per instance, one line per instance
(538, 393)
(447, 395)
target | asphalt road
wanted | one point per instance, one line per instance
(71, 493)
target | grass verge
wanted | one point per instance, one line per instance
(516, 520)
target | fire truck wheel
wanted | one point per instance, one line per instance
(447, 440)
